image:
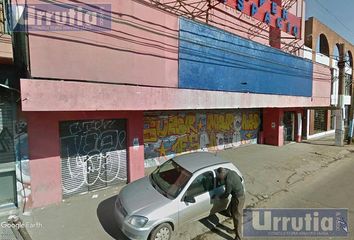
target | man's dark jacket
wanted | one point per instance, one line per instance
(233, 185)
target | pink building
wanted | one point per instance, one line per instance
(149, 81)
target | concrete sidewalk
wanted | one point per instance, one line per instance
(268, 171)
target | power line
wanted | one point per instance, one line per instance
(335, 17)
(191, 40)
(218, 48)
(156, 31)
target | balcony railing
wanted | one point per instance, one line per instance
(323, 59)
(308, 53)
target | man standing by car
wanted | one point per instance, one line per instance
(233, 186)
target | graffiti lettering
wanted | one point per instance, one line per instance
(91, 169)
(150, 135)
(189, 123)
(250, 121)
(173, 125)
(92, 152)
(163, 128)
(220, 122)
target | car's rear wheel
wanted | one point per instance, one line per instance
(161, 232)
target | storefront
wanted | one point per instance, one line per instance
(93, 154)
(77, 152)
(321, 121)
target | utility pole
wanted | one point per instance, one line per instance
(340, 107)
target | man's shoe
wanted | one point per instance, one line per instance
(231, 231)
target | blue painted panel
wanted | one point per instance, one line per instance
(212, 59)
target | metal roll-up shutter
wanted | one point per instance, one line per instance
(8, 195)
(93, 154)
(7, 151)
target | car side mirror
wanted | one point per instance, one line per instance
(189, 199)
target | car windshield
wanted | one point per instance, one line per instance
(170, 178)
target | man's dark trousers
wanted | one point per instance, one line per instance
(236, 208)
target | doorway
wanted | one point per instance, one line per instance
(289, 127)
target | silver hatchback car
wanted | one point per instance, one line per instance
(178, 192)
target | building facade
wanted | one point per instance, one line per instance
(9, 80)
(154, 79)
(322, 46)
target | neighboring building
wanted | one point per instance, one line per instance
(155, 79)
(322, 45)
(14, 186)
(8, 97)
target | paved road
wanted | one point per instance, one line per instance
(268, 172)
(332, 187)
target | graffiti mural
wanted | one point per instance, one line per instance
(174, 133)
(93, 154)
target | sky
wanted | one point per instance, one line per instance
(337, 14)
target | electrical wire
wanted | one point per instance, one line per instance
(334, 17)
(193, 41)
(110, 17)
(157, 31)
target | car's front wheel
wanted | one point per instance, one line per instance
(161, 232)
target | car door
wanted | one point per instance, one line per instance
(219, 204)
(222, 204)
(200, 190)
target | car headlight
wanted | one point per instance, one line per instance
(138, 221)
